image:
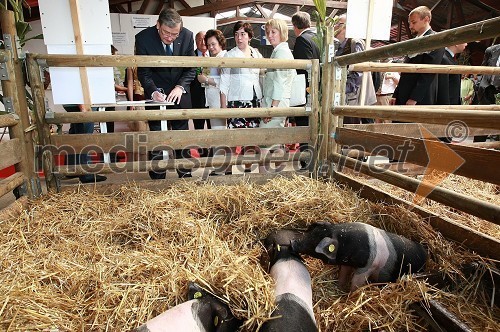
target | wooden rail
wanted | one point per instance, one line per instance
(424, 152)
(415, 129)
(187, 163)
(10, 183)
(421, 68)
(59, 60)
(478, 118)
(8, 120)
(178, 139)
(475, 31)
(175, 114)
(476, 207)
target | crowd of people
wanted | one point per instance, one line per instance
(253, 87)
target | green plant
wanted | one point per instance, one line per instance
(22, 27)
(323, 21)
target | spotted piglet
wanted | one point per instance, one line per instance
(202, 313)
(292, 288)
(366, 253)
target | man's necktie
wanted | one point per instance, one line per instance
(168, 49)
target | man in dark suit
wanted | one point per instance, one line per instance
(417, 88)
(449, 84)
(198, 91)
(171, 84)
(305, 48)
(489, 85)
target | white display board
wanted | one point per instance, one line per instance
(126, 26)
(357, 19)
(95, 32)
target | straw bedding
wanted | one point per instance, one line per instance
(91, 262)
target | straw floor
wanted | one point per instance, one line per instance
(91, 262)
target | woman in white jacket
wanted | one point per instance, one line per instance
(240, 87)
(216, 45)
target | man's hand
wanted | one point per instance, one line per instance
(175, 95)
(411, 102)
(266, 120)
(158, 96)
(392, 101)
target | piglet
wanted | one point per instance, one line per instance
(202, 313)
(293, 293)
(366, 253)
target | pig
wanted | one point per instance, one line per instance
(366, 253)
(203, 312)
(292, 290)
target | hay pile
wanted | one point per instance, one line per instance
(86, 261)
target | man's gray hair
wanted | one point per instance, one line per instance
(170, 17)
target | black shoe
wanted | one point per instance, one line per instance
(214, 173)
(228, 173)
(185, 175)
(248, 170)
(91, 178)
(157, 175)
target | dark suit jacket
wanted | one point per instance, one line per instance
(148, 42)
(448, 84)
(305, 48)
(197, 92)
(420, 87)
(490, 84)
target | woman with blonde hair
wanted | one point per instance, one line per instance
(277, 82)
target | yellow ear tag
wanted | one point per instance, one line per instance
(278, 247)
(216, 320)
(197, 295)
(331, 248)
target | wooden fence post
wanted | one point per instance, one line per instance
(326, 102)
(42, 127)
(14, 88)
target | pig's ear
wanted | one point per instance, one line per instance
(328, 247)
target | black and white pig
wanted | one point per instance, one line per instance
(292, 289)
(202, 313)
(366, 253)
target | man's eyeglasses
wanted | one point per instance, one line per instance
(168, 33)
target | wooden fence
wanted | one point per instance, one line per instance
(326, 132)
(427, 123)
(173, 139)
